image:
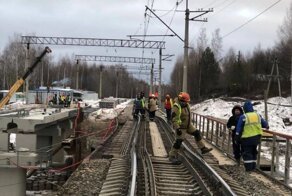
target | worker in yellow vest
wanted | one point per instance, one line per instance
(248, 134)
(181, 121)
(139, 107)
(168, 104)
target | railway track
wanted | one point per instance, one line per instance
(142, 173)
(207, 165)
(135, 170)
(118, 150)
(158, 176)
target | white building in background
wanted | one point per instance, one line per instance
(89, 95)
(18, 96)
(43, 95)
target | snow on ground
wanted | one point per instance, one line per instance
(276, 113)
(14, 105)
(111, 113)
(92, 103)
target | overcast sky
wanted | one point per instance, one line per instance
(119, 18)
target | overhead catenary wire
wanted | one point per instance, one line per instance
(250, 20)
(146, 25)
(226, 6)
(192, 41)
(176, 6)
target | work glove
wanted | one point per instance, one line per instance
(178, 132)
(237, 139)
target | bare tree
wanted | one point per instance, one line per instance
(216, 44)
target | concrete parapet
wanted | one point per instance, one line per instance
(12, 181)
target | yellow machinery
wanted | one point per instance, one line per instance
(20, 81)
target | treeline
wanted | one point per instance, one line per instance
(209, 74)
(235, 74)
(49, 72)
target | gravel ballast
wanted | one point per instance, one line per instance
(87, 179)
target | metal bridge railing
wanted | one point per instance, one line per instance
(25, 159)
(215, 132)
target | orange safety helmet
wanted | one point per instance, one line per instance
(183, 96)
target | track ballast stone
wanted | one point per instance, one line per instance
(87, 179)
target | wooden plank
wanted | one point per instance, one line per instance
(157, 143)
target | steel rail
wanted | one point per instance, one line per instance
(220, 185)
(132, 186)
(147, 165)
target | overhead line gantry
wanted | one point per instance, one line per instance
(71, 41)
(129, 43)
(119, 59)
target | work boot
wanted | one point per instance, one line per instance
(237, 162)
(205, 150)
(174, 160)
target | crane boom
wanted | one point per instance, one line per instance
(20, 81)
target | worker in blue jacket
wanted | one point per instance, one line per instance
(248, 134)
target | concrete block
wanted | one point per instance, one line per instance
(28, 141)
(12, 181)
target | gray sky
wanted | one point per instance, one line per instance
(119, 18)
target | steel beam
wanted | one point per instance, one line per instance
(119, 59)
(93, 42)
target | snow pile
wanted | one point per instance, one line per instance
(15, 105)
(276, 111)
(92, 103)
(105, 113)
(214, 107)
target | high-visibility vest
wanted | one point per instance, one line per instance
(141, 103)
(168, 104)
(252, 125)
(177, 117)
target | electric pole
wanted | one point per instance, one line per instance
(160, 69)
(42, 74)
(100, 82)
(26, 67)
(151, 79)
(291, 81)
(77, 74)
(186, 41)
(186, 50)
(117, 84)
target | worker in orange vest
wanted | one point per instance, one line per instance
(168, 104)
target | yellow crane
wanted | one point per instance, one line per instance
(20, 81)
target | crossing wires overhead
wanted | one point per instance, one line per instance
(250, 20)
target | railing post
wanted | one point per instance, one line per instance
(277, 157)
(217, 132)
(287, 161)
(203, 126)
(273, 155)
(208, 126)
(200, 122)
(212, 129)
(224, 135)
